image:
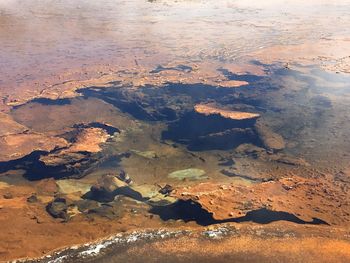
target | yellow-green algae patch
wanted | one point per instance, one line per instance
(190, 174)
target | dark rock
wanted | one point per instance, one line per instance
(123, 176)
(99, 194)
(108, 187)
(60, 199)
(104, 189)
(86, 205)
(58, 208)
(226, 162)
(8, 196)
(166, 190)
(250, 150)
(287, 187)
(38, 219)
(110, 210)
(32, 199)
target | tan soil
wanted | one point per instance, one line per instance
(16, 146)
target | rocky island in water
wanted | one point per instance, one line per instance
(175, 131)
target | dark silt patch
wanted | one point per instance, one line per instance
(240, 77)
(46, 101)
(182, 68)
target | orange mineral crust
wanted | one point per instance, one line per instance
(207, 109)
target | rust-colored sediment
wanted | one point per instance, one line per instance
(19, 145)
(207, 109)
(244, 248)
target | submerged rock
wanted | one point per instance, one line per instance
(269, 139)
(71, 186)
(167, 189)
(291, 160)
(145, 154)
(32, 199)
(85, 205)
(227, 139)
(188, 174)
(104, 189)
(110, 210)
(151, 194)
(250, 150)
(123, 176)
(109, 186)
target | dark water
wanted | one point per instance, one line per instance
(190, 211)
